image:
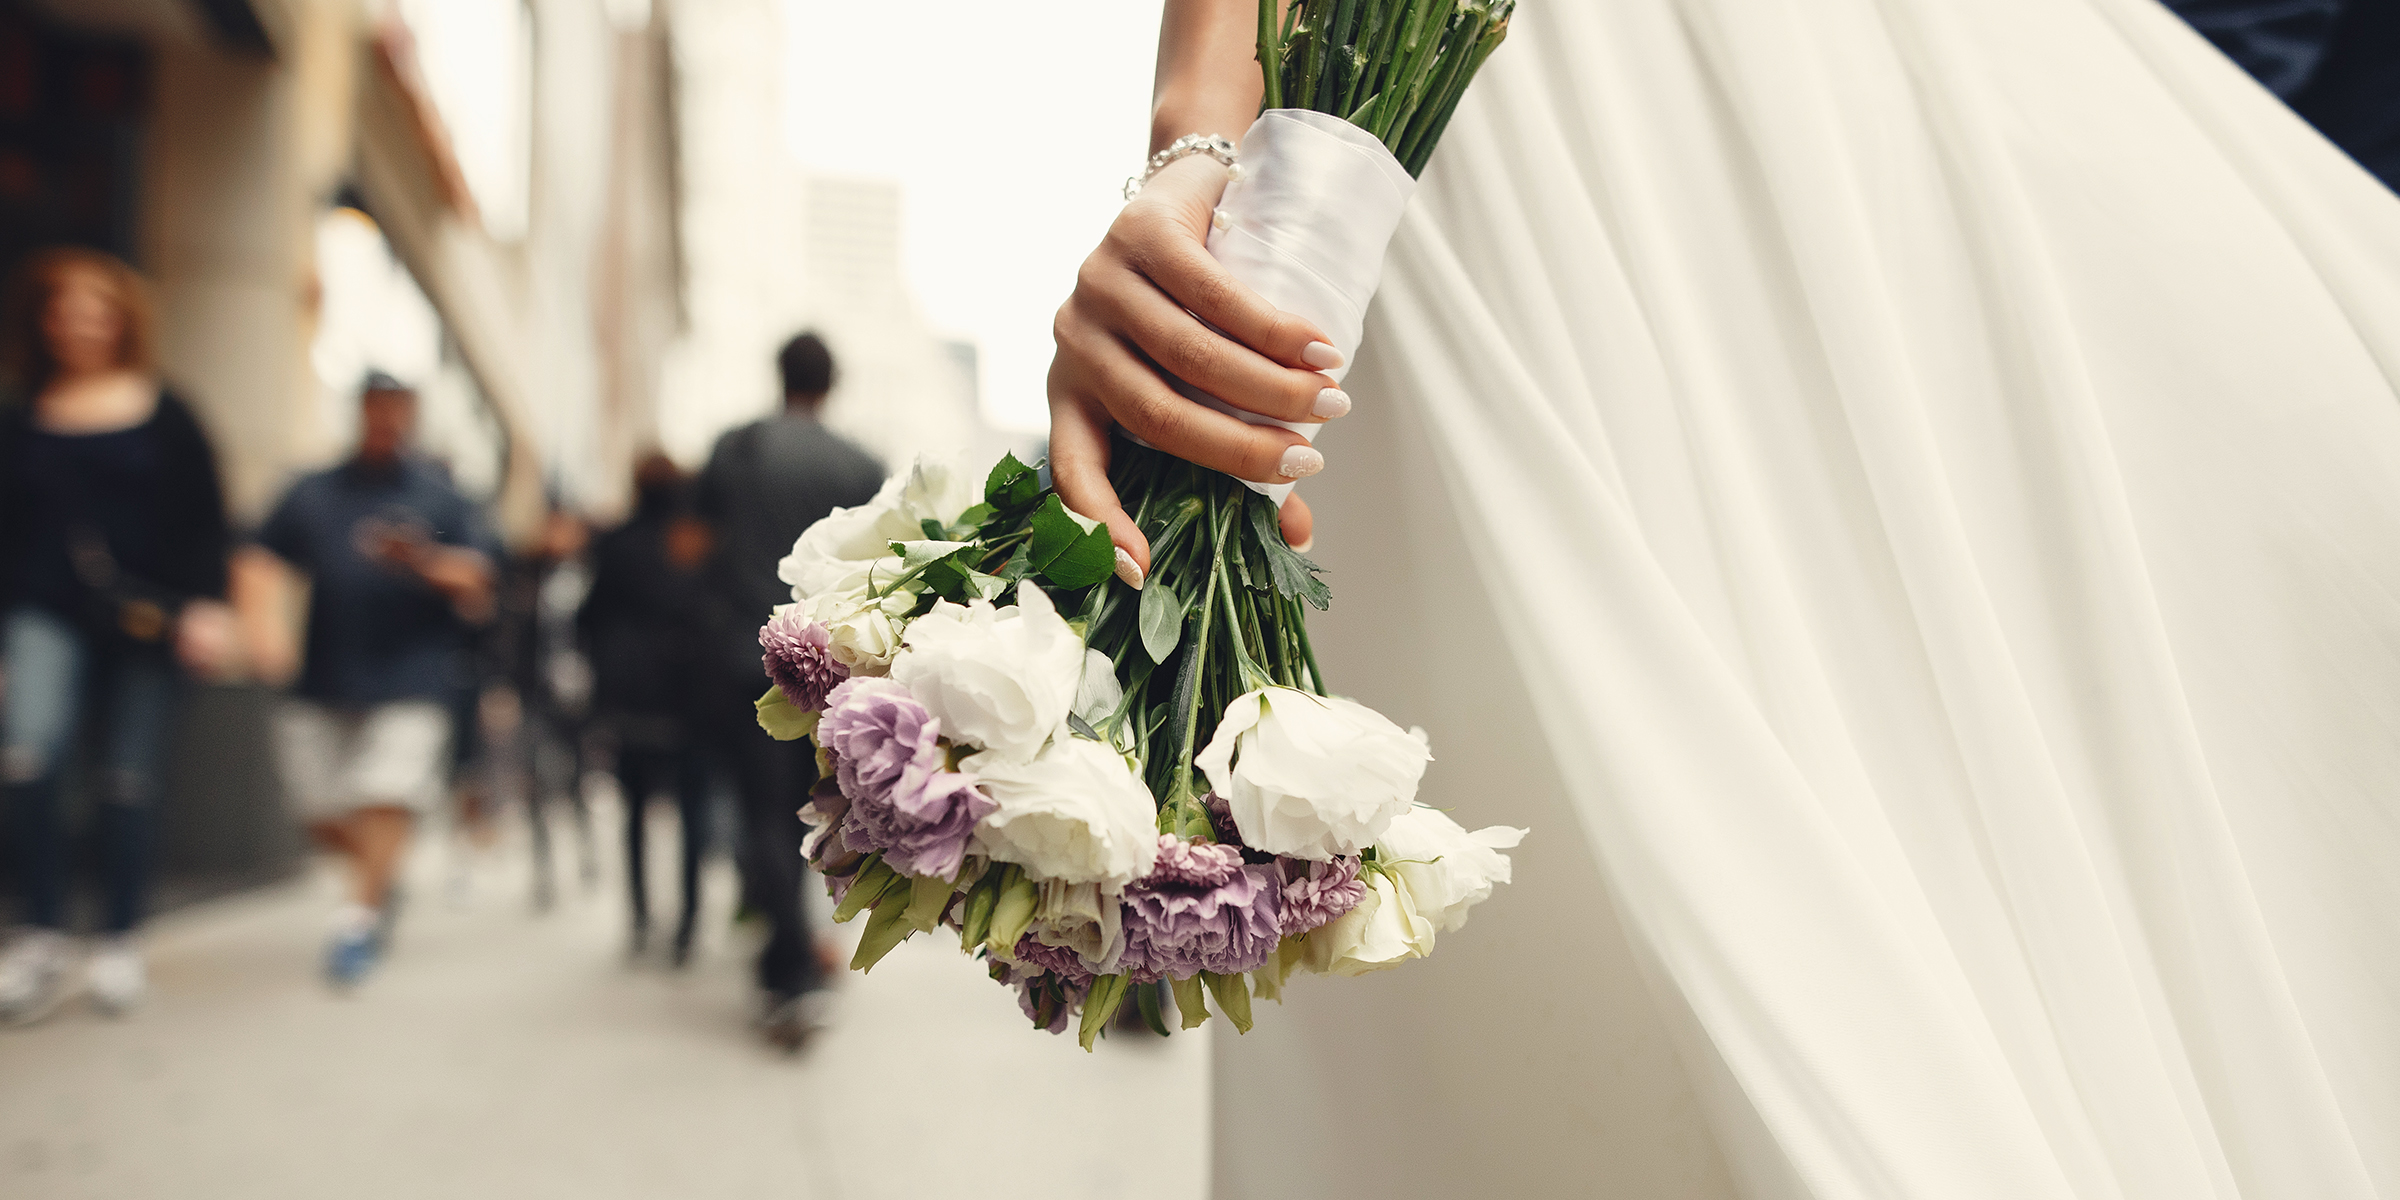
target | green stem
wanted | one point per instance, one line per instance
(1190, 717)
(1270, 54)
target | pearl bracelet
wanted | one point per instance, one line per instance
(1216, 146)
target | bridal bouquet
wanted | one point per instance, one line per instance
(1109, 795)
(1117, 795)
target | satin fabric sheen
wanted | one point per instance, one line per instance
(1937, 465)
(1306, 226)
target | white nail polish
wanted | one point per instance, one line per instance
(1300, 462)
(1129, 570)
(1331, 403)
(1321, 355)
(1306, 545)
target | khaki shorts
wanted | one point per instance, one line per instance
(337, 761)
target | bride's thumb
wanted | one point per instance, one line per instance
(1299, 524)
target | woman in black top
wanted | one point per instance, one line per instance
(112, 567)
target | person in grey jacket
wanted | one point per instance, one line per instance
(765, 483)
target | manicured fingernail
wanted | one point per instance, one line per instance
(1306, 544)
(1129, 570)
(1300, 462)
(1322, 356)
(1331, 403)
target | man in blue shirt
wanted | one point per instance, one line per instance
(400, 569)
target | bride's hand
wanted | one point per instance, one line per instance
(1132, 316)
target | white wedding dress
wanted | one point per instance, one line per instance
(1903, 497)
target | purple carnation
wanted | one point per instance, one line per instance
(799, 659)
(1058, 960)
(1048, 999)
(1201, 909)
(1314, 893)
(921, 830)
(888, 759)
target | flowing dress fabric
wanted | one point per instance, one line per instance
(1939, 465)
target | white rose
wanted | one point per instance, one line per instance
(1445, 869)
(1083, 917)
(1075, 814)
(1384, 930)
(842, 551)
(999, 679)
(1311, 777)
(863, 631)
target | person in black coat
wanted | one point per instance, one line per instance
(766, 483)
(113, 545)
(645, 624)
(2336, 62)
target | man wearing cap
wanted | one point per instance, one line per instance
(400, 569)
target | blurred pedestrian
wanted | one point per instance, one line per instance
(766, 482)
(112, 567)
(400, 567)
(2336, 62)
(532, 645)
(645, 626)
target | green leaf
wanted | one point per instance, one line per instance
(1019, 565)
(1011, 484)
(783, 720)
(1294, 574)
(968, 523)
(1161, 620)
(1066, 549)
(1180, 519)
(953, 580)
(1189, 1001)
(934, 529)
(1099, 1004)
(929, 897)
(917, 555)
(873, 879)
(1233, 997)
(985, 587)
(1146, 998)
(887, 927)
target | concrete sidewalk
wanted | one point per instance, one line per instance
(504, 1054)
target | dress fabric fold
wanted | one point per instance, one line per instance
(1939, 461)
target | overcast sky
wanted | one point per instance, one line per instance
(1010, 128)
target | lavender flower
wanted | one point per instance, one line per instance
(799, 658)
(888, 759)
(1058, 960)
(1314, 893)
(1047, 998)
(1200, 909)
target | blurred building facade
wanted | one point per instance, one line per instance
(208, 141)
(479, 195)
(772, 248)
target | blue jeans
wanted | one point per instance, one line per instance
(57, 675)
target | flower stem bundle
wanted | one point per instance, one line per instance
(1395, 68)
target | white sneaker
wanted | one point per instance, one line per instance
(118, 979)
(33, 977)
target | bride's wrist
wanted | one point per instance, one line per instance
(1192, 185)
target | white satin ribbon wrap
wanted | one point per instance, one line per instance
(1305, 226)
